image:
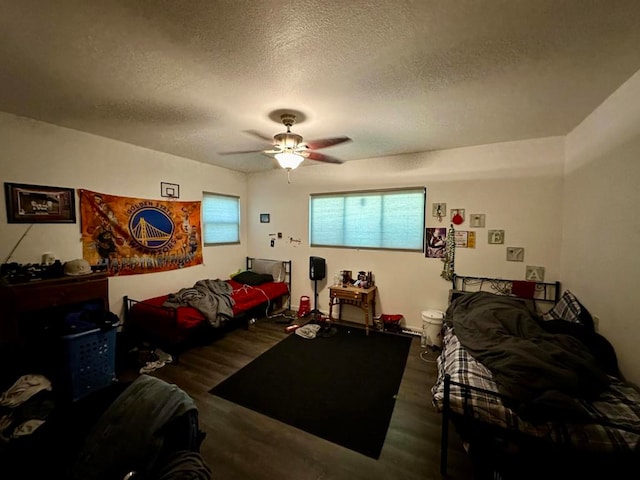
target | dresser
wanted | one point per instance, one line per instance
(22, 302)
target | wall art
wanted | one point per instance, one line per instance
(39, 204)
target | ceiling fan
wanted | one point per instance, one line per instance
(290, 150)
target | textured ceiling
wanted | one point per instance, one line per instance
(192, 77)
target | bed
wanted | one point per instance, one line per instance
(527, 383)
(172, 320)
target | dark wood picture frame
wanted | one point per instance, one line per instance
(39, 203)
(265, 218)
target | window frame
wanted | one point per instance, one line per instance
(380, 191)
(220, 195)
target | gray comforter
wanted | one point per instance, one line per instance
(211, 297)
(540, 372)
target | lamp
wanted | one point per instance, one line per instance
(289, 160)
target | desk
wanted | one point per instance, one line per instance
(365, 298)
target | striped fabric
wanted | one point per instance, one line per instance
(568, 308)
(616, 413)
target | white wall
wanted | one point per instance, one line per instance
(601, 232)
(43, 154)
(518, 185)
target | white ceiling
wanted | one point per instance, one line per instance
(191, 77)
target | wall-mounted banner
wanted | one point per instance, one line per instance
(133, 235)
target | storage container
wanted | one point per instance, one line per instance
(89, 361)
(432, 328)
(391, 322)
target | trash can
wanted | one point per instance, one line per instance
(432, 328)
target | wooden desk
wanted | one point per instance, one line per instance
(365, 298)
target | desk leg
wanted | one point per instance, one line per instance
(366, 317)
(330, 309)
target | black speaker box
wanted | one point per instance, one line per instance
(317, 268)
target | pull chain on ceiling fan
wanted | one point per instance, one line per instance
(289, 149)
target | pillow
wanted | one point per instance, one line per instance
(570, 309)
(273, 267)
(252, 278)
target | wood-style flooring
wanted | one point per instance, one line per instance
(241, 444)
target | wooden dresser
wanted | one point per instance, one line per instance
(21, 301)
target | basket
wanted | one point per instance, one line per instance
(89, 361)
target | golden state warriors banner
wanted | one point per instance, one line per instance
(133, 235)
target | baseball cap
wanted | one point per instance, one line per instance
(78, 266)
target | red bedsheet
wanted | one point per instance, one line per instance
(172, 325)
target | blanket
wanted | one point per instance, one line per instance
(541, 373)
(210, 297)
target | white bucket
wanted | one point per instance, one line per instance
(432, 328)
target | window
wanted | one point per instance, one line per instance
(220, 218)
(377, 219)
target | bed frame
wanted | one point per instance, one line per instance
(242, 317)
(544, 296)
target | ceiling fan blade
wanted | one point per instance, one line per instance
(255, 133)
(320, 157)
(326, 142)
(239, 151)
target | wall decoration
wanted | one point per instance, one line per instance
(169, 190)
(534, 274)
(515, 254)
(39, 204)
(265, 218)
(449, 258)
(439, 210)
(436, 242)
(496, 237)
(476, 220)
(465, 239)
(457, 216)
(129, 236)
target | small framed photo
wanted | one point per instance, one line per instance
(39, 204)
(534, 274)
(265, 218)
(515, 254)
(439, 210)
(476, 220)
(496, 237)
(169, 190)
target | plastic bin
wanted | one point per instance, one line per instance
(89, 361)
(391, 322)
(432, 328)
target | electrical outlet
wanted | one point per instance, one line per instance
(596, 322)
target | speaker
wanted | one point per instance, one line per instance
(317, 268)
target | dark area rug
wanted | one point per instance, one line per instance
(341, 388)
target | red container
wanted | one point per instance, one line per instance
(305, 307)
(391, 322)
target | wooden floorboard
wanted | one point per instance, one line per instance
(242, 444)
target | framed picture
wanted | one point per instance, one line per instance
(534, 274)
(476, 220)
(169, 190)
(265, 218)
(496, 237)
(439, 209)
(515, 254)
(39, 204)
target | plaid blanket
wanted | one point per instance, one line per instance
(615, 413)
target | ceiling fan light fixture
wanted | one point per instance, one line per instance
(289, 160)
